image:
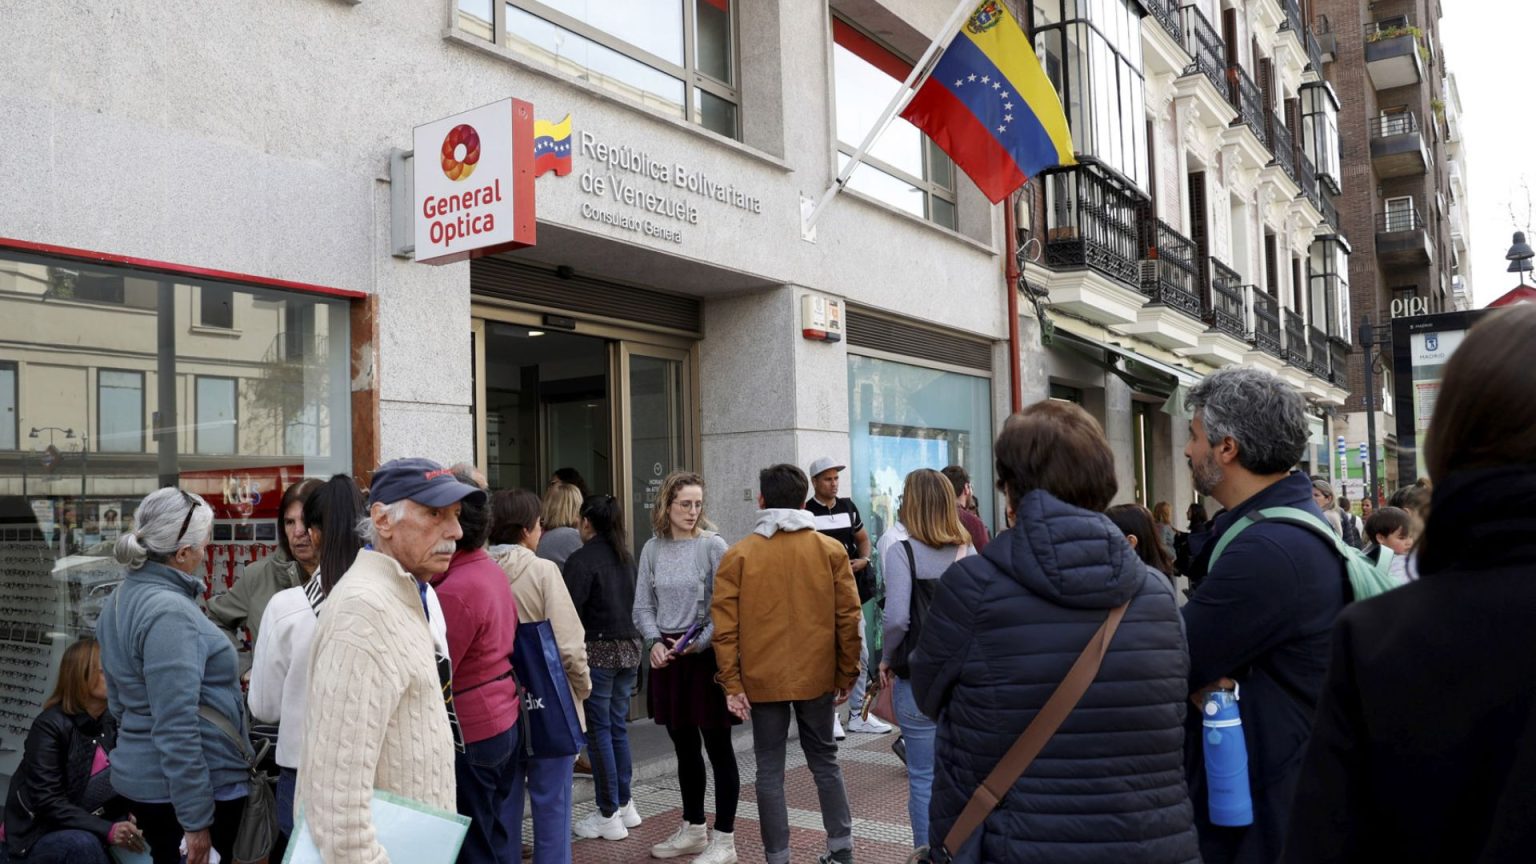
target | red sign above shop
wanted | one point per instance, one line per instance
(473, 179)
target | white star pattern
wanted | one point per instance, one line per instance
(1007, 106)
(959, 82)
(1004, 94)
(985, 79)
(972, 77)
(1002, 129)
(996, 86)
(1007, 118)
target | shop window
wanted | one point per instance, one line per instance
(216, 306)
(903, 168)
(10, 432)
(903, 417)
(120, 405)
(674, 56)
(216, 432)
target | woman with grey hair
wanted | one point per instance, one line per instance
(164, 662)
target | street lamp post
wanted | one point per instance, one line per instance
(1370, 343)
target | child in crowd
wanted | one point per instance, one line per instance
(1392, 527)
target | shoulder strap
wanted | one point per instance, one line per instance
(1289, 515)
(223, 724)
(1023, 752)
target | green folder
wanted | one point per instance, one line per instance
(410, 831)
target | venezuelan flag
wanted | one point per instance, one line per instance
(552, 147)
(989, 105)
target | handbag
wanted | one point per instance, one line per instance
(883, 705)
(1029, 744)
(258, 823)
(552, 726)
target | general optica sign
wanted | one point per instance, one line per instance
(473, 181)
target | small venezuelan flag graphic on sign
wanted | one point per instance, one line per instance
(552, 147)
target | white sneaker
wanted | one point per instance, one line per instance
(629, 815)
(837, 728)
(688, 840)
(722, 850)
(873, 726)
(595, 825)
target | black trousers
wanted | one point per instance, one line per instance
(690, 774)
(163, 832)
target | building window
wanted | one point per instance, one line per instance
(673, 56)
(216, 306)
(1065, 393)
(1092, 54)
(904, 168)
(903, 417)
(216, 432)
(1320, 132)
(10, 431)
(120, 407)
(1329, 278)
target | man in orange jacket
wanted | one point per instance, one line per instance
(786, 615)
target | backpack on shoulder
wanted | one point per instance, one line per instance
(1367, 576)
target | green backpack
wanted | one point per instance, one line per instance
(1367, 577)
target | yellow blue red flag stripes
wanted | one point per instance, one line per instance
(989, 105)
(552, 147)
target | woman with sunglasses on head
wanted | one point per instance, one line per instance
(601, 578)
(672, 600)
(280, 669)
(165, 662)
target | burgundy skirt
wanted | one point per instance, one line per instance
(685, 692)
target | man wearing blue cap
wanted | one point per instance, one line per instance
(377, 717)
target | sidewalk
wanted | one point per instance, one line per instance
(874, 777)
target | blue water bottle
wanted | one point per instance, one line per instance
(1226, 761)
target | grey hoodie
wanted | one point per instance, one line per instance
(776, 519)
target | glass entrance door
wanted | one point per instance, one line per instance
(657, 426)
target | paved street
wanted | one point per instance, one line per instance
(877, 788)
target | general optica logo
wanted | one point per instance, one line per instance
(461, 152)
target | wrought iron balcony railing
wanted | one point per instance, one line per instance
(1282, 144)
(1292, 22)
(1306, 178)
(1266, 320)
(1399, 220)
(1168, 273)
(1388, 125)
(1225, 309)
(1314, 51)
(1296, 351)
(1167, 14)
(1248, 99)
(1091, 222)
(1338, 362)
(1331, 213)
(1205, 46)
(1319, 344)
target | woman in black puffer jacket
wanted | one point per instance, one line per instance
(61, 807)
(1003, 629)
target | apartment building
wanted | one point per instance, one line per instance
(1200, 228)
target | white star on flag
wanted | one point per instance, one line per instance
(1007, 106)
(959, 83)
(972, 77)
(996, 86)
(1007, 118)
(985, 79)
(1002, 129)
(1004, 94)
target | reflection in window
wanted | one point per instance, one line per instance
(217, 306)
(120, 403)
(903, 168)
(215, 432)
(904, 417)
(640, 49)
(9, 431)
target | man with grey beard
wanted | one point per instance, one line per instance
(1262, 616)
(380, 713)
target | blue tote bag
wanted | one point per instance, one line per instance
(551, 724)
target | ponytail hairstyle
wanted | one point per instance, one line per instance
(606, 517)
(335, 507)
(166, 520)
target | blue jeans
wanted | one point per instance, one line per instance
(918, 732)
(287, 779)
(549, 792)
(607, 712)
(64, 847)
(488, 772)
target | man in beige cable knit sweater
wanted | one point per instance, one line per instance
(376, 715)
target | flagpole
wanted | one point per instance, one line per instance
(904, 94)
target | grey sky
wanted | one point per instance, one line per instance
(1488, 48)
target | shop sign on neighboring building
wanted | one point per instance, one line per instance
(473, 183)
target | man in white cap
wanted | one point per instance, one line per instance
(838, 518)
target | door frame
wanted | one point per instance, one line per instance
(624, 342)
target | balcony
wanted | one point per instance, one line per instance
(1168, 273)
(1314, 53)
(1266, 321)
(1282, 144)
(1091, 242)
(1402, 240)
(1397, 146)
(1226, 308)
(1392, 56)
(1330, 212)
(1318, 342)
(1296, 349)
(1248, 99)
(1327, 42)
(1338, 362)
(1306, 178)
(1204, 46)
(1167, 14)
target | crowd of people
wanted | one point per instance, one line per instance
(385, 631)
